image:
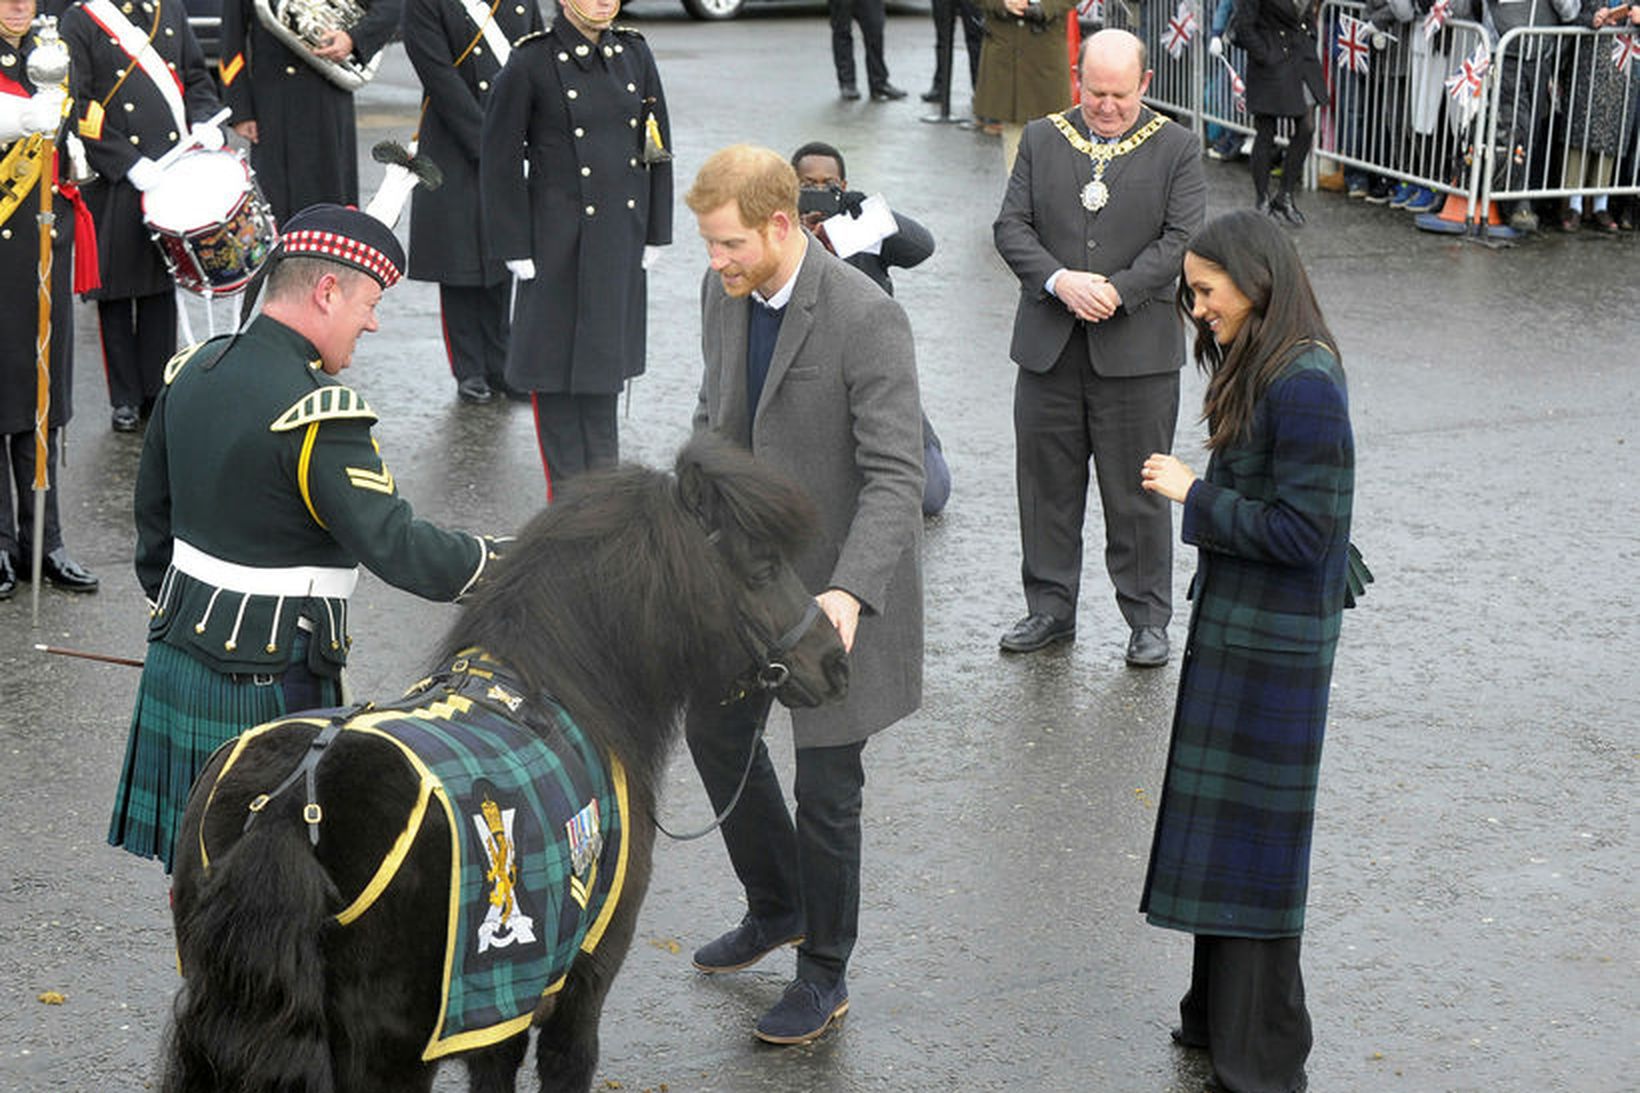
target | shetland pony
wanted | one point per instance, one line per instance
(634, 594)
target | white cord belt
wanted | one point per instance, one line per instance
(330, 582)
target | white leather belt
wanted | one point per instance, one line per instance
(330, 582)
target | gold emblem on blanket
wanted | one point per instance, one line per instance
(504, 923)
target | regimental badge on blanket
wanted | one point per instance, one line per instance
(586, 843)
(504, 923)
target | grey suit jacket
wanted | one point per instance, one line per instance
(839, 414)
(1158, 199)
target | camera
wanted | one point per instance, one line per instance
(829, 201)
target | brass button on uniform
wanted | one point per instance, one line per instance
(580, 132)
(591, 209)
(572, 94)
(586, 172)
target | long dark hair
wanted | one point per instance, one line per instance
(1284, 320)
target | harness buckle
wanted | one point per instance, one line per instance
(312, 813)
(260, 803)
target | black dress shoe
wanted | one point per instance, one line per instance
(64, 572)
(8, 575)
(1282, 208)
(1147, 648)
(473, 389)
(1035, 632)
(933, 94)
(126, 419)
(746, 944)
(886, 93)
(849, 92)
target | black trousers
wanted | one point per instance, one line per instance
(139, 335)
(1246, 1002)
(1063, 418)
(576, 434)
(946, 13)
(870, 15)
(476, 327)
(1263, 154)
(809, 868)
(17, 524)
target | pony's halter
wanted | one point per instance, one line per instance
(768, 671)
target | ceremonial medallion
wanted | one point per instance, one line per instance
(1094, 195)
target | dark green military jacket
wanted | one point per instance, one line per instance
(260, 492)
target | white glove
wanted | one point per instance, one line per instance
(44, 112)
(1380, 40)
(1215, 47)
(522, 268)
(651, 257)
(208, 137)
(144, 174)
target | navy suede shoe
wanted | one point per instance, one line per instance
(747, 943)
(803, 1013)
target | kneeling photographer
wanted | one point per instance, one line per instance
(871, 238)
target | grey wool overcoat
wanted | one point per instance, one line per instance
(840, 414)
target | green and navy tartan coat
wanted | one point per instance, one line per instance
(1271, 522)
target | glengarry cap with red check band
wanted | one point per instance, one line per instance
(344, 235)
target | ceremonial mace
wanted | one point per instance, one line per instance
(47, 69)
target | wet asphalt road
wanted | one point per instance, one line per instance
(1473, 899)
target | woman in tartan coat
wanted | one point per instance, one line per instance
(1271, 521)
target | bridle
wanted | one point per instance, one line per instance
(767, 673)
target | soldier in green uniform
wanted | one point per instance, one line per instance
(259, 495)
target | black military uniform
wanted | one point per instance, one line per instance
(259, 494)
(307, 149)
(21, 167)
(458, 48)
(127, 115)
(578, 112)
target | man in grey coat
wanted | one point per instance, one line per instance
(1101, 202)
(811, 366)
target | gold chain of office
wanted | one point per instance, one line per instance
(1096, 194)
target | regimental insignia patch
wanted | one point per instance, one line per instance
(505, 923)
(505, 697)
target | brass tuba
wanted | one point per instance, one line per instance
(303, 25)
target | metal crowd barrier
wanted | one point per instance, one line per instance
(1561, 120)
(1558, 119)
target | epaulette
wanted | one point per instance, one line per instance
(331, 402)
(530, 37)
(174, 366)
(630, 32)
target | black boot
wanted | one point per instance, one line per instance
(1282, 208)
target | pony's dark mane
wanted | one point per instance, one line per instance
(612, 601)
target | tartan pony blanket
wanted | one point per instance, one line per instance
(538, 843)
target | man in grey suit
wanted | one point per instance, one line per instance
(810, 365)
(1100, 205)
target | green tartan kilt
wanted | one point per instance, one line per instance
(184, 712)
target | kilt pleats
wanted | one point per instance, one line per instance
(184, 712)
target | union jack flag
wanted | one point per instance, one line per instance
(1437, 17)
(1238, 86)
(1624, 51)
(1180, 29)
(1352, 43)
(1465, 85)
(1092, 10)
